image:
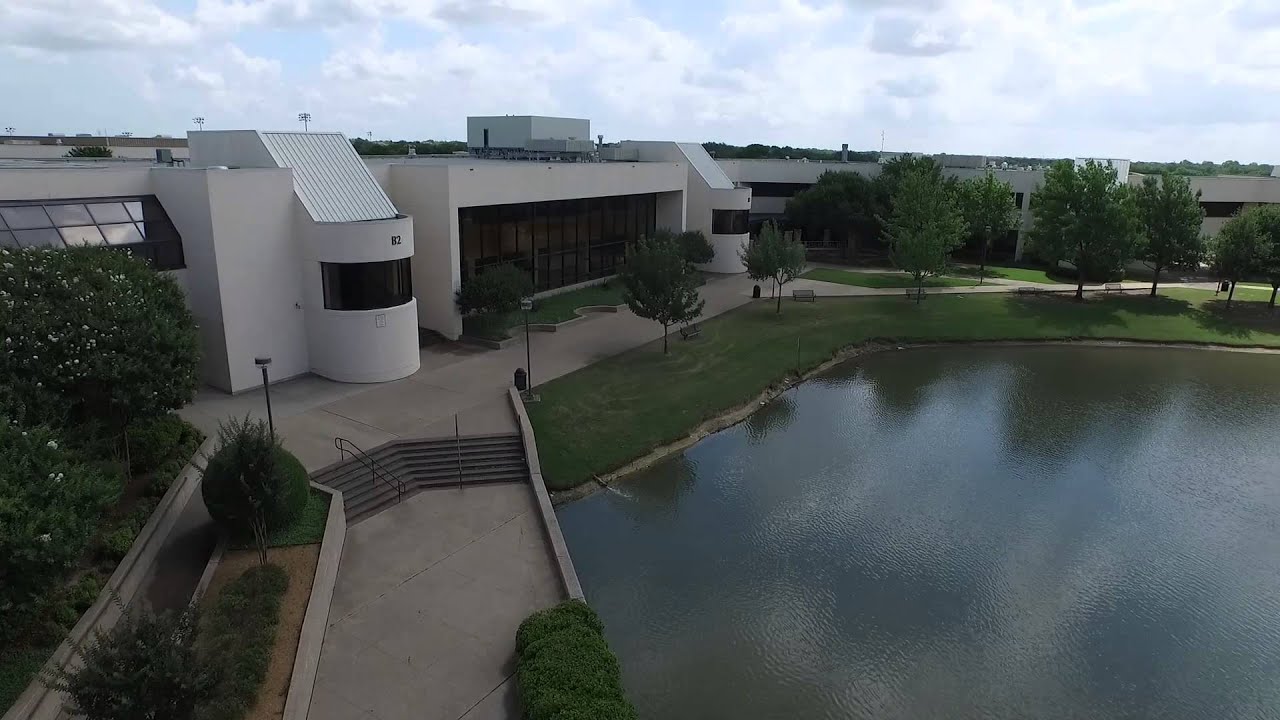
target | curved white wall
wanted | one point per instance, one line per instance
(726, 259)
(364, 346)
(358, 346)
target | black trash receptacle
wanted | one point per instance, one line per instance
(522, 380)
(1226, 286)
(755, 292)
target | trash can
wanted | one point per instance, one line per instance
(755, 292)
(522, 380)
(1226, 286)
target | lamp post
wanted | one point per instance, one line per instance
(263, 362)
(199, 121)
(526, 304)
(305, 119)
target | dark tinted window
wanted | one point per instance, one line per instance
(1221, 209)
(729, 222)
(777, 189)
(367, 286)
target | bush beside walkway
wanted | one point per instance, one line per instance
(603, 416)
(565, 668)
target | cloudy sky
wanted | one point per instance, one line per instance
(1142, 79)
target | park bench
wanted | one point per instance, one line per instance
(917, 293)
(803, 296)
(692, 330)
(1113, 287)
(1027, 290)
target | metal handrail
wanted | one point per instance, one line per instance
(345, 446)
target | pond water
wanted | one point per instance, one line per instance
(1040, 532)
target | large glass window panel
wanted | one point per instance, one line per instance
(42, 237)
(109, 213)
(7, 240)
(366, 286)
(122, 234)
(68, 215)
(134, 209)
(23, 217)
(730, 222)
(82, 235)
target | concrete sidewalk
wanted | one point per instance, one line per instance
(455, 379)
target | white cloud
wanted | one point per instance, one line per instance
(1127, 78)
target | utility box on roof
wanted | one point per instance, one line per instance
(513, 132)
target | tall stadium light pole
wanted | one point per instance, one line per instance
(199, 121)
(9, 130)
(305, 119)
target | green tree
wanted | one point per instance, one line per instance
(1085, 217)
(659, 284)
(90, 151)
(252, 486)
(695, 247)
(842, 202)
(1265, 220)
(770, 256)
(144, 668)
(93, 336)
(989, 212)
(924, 228)
(1169, 216)
(1238, 250)
(894, 172)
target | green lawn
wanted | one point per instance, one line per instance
(881, 280)
(1019, 274)
(603, 416)
(550, 310)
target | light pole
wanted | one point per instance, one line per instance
(8, 130)
(526, 304)
(305, 119)
(199, 121)
(263, 362)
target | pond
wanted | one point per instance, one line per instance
(999, 532)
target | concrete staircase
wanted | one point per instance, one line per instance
(379, 478)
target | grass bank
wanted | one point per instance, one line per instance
(881, 280)
(1019, 274)
(603, 416)
(548, 310)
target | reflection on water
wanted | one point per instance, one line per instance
(986, 533)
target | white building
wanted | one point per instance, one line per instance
(289, 245)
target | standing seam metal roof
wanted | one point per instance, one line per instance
(329, 177)
(706, 166)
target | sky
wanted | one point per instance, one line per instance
(1139, 79)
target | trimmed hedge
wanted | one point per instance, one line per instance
(236, 637)
(565, 668)
(246, 452)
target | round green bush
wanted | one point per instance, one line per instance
(545, 622)
(237, 476)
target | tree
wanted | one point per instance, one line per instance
(145, 668)
(892, 174)
(498, 289)
(90, 151)
(1085, 217)
(1169, 216)
(252, 486)
(659, 284)
(1237, 250)
(93, 335)
(1265, 220)
(989, 211)
(770, 256)
(924, 228)
(842, 202)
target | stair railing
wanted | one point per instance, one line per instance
(376, 471)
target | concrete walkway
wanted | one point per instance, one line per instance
(429, 596)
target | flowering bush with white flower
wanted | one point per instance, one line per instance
(92, 335)
(50, 505)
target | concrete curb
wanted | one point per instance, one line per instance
(582, 314)
(211, 567)
(306, 663)
(38, 702)
(568, 576)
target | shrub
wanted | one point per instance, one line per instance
(496, 290)
(94, 335)
(250, 471)
(695, 247)
(143, 668)
(236, 639)
(565, 668)
(153, 440)
(50, 503)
